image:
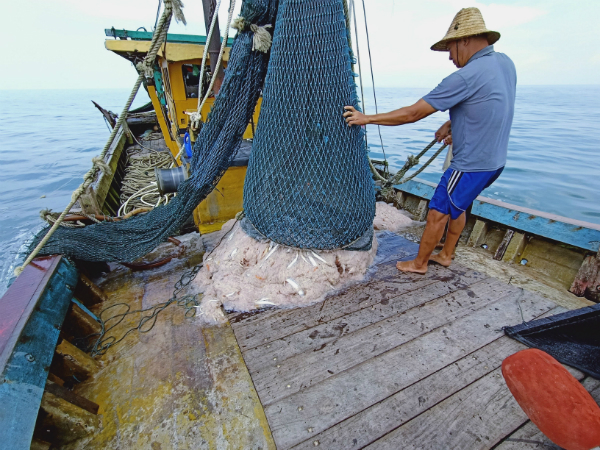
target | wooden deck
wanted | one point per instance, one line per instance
(401, 361)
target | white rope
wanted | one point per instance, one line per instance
(221, 51)
(197, 116)
(261, 41)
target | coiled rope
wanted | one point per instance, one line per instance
(145, 68)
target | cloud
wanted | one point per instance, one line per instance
(500, 16)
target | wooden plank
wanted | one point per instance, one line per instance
(477, 417)
(20, 299)
(101, 184)
(587, 280)
(284, 323)
(387, 415)
(418, 187)
(260, 358)
(65, 422)
(578, 233)
(529, 436)
(25, 372)
(88, 293)
(75, 362)
(562, 229)
(382, 418)
(504, 245)
(458, 421)
(71, 397)
(303, 370)
(349, 392)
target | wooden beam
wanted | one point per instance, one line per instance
(422, 210)
(578, 233)
(88, 293)
(80, 322)
(504, 245)
(75, 362)
(37, 444)
(515, 248)
(65, 422)
(477, 236)
(71, 397)
(587, 281)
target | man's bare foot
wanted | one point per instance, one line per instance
(438, 258)
(409, 266)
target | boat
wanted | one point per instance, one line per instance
(393, 362)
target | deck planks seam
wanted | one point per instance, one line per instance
(261, 357)
(353, 349)
(277, 325)
(335, 399)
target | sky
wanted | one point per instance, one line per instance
(59, 44)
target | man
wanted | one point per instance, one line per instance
(480, 97)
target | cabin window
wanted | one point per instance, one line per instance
(191, 77)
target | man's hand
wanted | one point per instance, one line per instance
(354, 117)
(443, 133)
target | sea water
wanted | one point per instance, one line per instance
(48, 138)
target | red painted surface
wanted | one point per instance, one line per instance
(20, 299)
(553, 399)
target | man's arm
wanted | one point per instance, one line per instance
(408, 114)
(444, 134)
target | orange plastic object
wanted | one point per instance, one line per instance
(553, 399)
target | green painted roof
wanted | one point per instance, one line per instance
(147, 36)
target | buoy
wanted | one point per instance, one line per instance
(553, 399)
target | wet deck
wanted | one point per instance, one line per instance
(398, 361)
(401, 361)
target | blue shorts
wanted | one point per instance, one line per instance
(457, 190)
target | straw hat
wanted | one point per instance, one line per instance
(468, 22)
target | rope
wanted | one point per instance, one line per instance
(139, 180)
(373, 81)
(352, 14)
(389, 181)
(197, 116)
(429, 161)
(172, 7)
(189, 302)
(221, 51)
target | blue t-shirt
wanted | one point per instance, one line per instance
(481, 99)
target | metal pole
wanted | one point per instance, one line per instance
(214, 45)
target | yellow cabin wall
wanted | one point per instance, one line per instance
(223, 203)
(164, 127)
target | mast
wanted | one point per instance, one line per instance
(215, 42)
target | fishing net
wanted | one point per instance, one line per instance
(308, 183)
(217, 142)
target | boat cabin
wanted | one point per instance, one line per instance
(174, 95)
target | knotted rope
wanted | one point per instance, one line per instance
(388, 183)
(261, 42)
(172, 7)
